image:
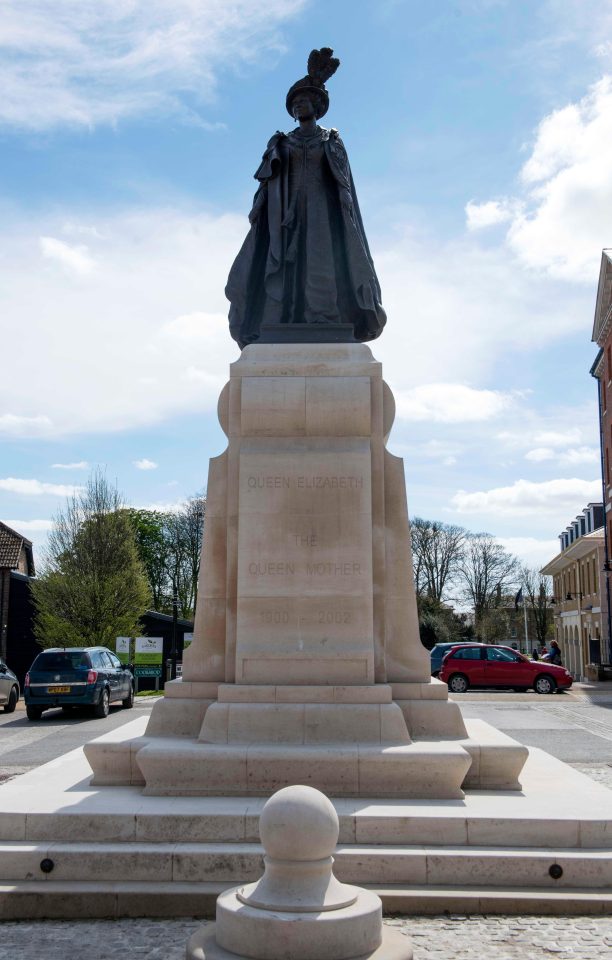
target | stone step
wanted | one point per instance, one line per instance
(72, 899)
(242, 862)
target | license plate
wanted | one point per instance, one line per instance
(58, 689)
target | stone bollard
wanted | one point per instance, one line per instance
(298, 910)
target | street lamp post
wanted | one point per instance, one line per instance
(174, 650)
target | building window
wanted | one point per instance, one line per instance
(604, 401)
(595, 588)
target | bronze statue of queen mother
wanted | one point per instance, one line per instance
(304, 272)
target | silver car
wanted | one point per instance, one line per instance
(9, 688)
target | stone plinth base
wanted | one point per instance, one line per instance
(203, 946)
(172, 767)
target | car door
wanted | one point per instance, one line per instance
(6, 682)
(124, 677)
(112, 675)
(505, 668)
(468, 660)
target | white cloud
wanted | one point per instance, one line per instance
(83, 64)
(133, 327)
(525, 498)
(74, 259)
(145, 464)
(450, 403)
(138, 322)
(30, 526)
(530, 550)
(78, 465)
(37, 488)
(569, 457)
(13, 425)
(561, 220)
(488, 214)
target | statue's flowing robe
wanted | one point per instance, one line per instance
(306, 258)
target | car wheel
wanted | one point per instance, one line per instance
(102, 708)
(458, 683)
(9, 707)
(128, 703)
(33, 713)
(544, 684)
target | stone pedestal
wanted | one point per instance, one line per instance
(306, 663)
(298, 909)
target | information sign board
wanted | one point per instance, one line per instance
(149, 650)
(147, 671)
(122, 648)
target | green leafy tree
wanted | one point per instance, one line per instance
(93, 587)
(170, 547)
(438, 623)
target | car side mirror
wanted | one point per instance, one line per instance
(3, 668)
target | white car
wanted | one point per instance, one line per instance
(9, 688)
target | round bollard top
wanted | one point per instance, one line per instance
(298, 823)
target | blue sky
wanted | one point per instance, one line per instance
(478, 133)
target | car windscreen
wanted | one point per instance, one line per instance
(61, 660)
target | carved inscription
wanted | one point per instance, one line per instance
(280, 482)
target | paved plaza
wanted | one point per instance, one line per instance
(433, 938)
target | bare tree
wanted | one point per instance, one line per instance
(437, 550)
(184, 535)
(485, 570)
(536, 590)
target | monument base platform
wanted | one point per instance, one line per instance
(116, 852)
(203, 946)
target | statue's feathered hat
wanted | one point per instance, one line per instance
(321, 66)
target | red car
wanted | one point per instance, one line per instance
(485, 665)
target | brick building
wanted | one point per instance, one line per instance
(16, 570)
(602, 371)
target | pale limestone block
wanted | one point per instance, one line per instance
(375, 866)
(22, 862)
(433, 718)
(342, 723)
(81, 861)
(338, 406)
(196, 862)
(13, 825)
(177, 717)
(205, 662)
(273, 407)
(190, 690)
(213, 581)
(410, 829)
(413, 770)
(287, 693)
(100, 826)
(215, 726)
(378, 693)
(595, 833)
(266, 723)
(432, 689)
(238, 693)
(194, 770)
(333, 769)
(214, 826)
(489, 831)
(393, 725)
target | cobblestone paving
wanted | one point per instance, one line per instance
(433, 938)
